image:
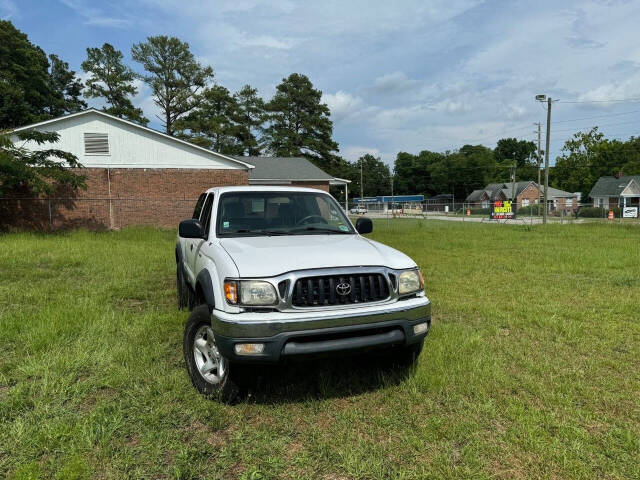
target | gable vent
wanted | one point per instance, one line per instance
(96, 144)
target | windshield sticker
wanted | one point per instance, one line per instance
(225, 224)
(343, 228)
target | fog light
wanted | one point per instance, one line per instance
(249, 348)
(420, 328)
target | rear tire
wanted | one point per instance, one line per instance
(211, 373)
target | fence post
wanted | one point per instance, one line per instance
(50, 216)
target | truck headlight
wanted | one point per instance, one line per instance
(410, 281)
(257, 293)
(250, 292)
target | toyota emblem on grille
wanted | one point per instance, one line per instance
(343, 289)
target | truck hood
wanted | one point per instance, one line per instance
(270, 256)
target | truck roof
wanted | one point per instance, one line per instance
(263, 188)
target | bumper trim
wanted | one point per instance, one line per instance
(260, 325)
(316, 335)
(323, 346)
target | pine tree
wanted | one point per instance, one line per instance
(112, 80)
(174, 75)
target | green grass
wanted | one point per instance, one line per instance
(532, 368)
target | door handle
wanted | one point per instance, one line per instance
(192, 246)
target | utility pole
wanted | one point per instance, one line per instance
(539, 163)
(546, 161)
(542, 98)
(392, 174)
(513, 186)
(361, 184)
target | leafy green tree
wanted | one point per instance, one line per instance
(299, 124)
(35, 170)
(250, 117)
(405, 174)
(112, 80)
(376, 176)
(212, 124)
(521, 152)
(66, 88)
(174, 75)
(573, 170)
(25, 87)
(588, 155)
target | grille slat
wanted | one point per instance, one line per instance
(336, 289)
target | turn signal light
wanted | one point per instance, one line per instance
(231, 292)
(420, 328)
(249, 348)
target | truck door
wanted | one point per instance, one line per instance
(196, 243)
(187, 243)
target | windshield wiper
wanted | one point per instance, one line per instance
(319, 229)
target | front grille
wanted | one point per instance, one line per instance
(339, 290)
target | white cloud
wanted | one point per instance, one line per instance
(267, 41)
(342, 104)
(354, 152)
(628, 87)
(396, 82)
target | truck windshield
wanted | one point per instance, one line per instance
(248, 214)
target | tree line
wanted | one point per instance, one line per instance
(35, 86)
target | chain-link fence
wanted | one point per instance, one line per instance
(51, 214)
(94, 213)
(463, 210)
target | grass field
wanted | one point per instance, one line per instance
(531, 370)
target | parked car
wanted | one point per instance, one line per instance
(358, 210)
(275, 273)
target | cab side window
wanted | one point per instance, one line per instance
(198, 209)
(205, 219)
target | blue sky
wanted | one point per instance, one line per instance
(398, 76)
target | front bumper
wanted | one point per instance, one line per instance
(294, 334)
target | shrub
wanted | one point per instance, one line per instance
(475, 211)
(597, 212)
(530, 210)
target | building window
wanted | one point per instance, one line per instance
(525, 202)
(96, 144)
(568, 202)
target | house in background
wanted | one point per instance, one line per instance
(136, 175)
(622, 191)
(526, 193)
(294, 171)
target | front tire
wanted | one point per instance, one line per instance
(210, 372)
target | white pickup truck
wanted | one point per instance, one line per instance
(276, 273)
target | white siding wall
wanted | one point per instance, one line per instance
(129, 146)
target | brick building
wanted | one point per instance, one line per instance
(138, 176)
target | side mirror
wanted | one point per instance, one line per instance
(364, 225)
(191, 229)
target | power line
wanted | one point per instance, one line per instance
(630, 100)
(597, 116)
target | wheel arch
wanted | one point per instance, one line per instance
(204, 289)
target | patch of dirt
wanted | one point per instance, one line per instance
(132, 304)
(4, 391)
(235, 471)
(215, 438)
(334, 476)
(89, 402)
